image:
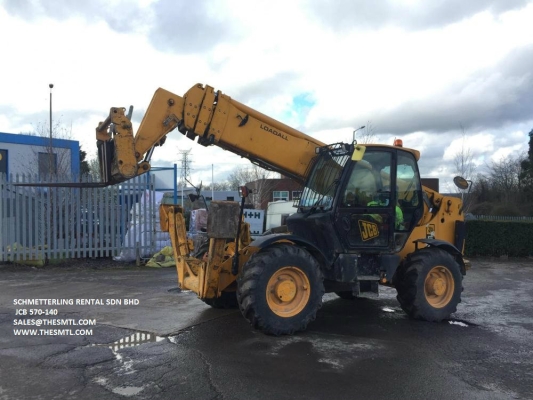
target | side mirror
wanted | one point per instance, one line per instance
(461, 182)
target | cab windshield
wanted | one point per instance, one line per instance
(326, 170)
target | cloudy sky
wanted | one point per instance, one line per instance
(423, 71)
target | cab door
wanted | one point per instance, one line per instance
(366, 205)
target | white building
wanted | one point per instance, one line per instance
(36, 155)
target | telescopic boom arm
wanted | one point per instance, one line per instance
(215, 119)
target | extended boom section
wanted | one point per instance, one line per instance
(213, 118)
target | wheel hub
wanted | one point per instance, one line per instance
(439, 287)
(287, 291)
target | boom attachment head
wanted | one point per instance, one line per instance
(116, 149)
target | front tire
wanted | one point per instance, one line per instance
(280, 289)
(429, 285)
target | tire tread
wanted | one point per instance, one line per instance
(412, 298)
(248, 287)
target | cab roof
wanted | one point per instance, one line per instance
(414, 152)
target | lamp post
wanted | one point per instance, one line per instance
(51, 85)
(50, 151)
(358, 129)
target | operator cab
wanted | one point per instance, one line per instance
(368, 197)
(380, 199)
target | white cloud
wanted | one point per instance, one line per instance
(477, 144)
(416, 72)
(505, 152)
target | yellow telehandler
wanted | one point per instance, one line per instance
(363, 218)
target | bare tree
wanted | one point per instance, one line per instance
(49, 161)
(219, 186)
(500, 189)
(504, 176)
(259, 180)
(504, 187)
(94, 168)
(367, 134)
(466, 168)
(464, 159)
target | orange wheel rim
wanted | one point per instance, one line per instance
(288, 291)
(439, 287)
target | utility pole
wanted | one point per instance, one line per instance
(185, 171)
(51, 151)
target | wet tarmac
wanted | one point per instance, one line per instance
(170, 345)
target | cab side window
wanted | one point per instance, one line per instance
(361, 187)
(368, 180)
(408, 188)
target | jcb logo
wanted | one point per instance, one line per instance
(368, 230)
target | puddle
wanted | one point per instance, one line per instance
(173, 339)
(178, 290)
(127, 390)
(458, 323)
(387, 309)
(336, 352)
(126, 366)
(135, 339)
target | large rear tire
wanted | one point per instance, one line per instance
(280, 289)
(429, 285)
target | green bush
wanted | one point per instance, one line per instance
(498, 238)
